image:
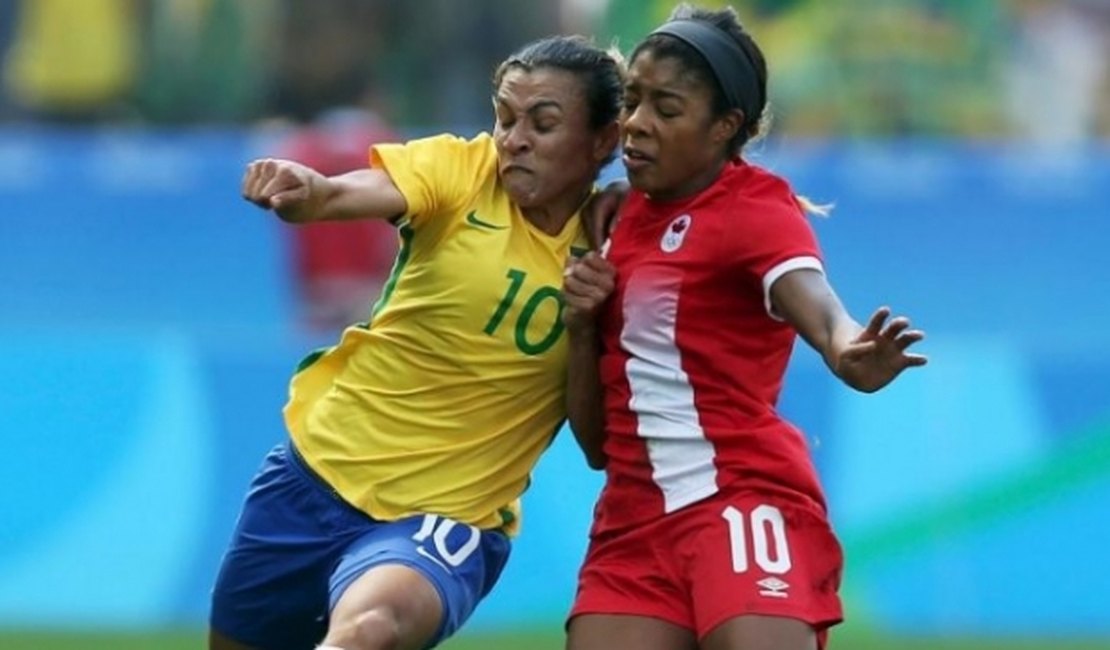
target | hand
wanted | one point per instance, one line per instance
(599, 215)
(292, 190)
(587, 283)
(875, 356)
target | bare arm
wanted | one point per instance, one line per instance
(300, 194)
(600, 212)
(865, 358)
(587, 285)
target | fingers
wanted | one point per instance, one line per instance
(907, 339)
(588, 281)
(875, 324)
(897, 332)
(253, 181)
(598, 264)
(895, 327)
(591, 263)
(269, 183)
(288, 197)
(260, 174)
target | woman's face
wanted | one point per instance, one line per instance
(545, 147)
(673, 146)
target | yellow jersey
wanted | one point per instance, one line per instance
(443, 403)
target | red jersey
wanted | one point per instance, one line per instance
(693, 358)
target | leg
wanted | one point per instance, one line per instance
(609, 631)
(412, 583)
(756, 632)
(390, 607)
(272, 587)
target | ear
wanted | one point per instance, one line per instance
(727, 126)
(606, 141)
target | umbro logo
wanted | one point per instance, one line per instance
(773, 587)
(472, 219)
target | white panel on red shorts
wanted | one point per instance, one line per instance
(692, 362)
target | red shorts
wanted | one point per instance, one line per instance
(731, 554)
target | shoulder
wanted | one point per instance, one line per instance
(761, 220)
(765, 193)
(439, 174)
(443, 148)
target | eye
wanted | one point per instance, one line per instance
(668, 111)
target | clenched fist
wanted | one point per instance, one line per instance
(292, 190)
(587, 283)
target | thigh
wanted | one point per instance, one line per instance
(611, 631)
(426, 574)
(272, 586)
(757, 632)
(751, 554)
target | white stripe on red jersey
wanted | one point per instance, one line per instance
(662, 397)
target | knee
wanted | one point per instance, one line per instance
(376, 629)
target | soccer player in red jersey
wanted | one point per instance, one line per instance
(711, 531)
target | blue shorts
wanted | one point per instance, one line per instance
(297, 546)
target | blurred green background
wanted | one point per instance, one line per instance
(846, 638)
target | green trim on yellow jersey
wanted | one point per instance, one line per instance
(311, 358)
(398, 267)
(444, 403)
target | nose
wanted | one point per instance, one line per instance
(515, 139)
(635, 121)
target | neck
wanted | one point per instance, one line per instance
(693, 185)
(552, 217)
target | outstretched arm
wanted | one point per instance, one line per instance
(865, 358)
(586, 285)
(299, 194)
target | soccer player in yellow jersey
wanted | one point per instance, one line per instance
(386, 516)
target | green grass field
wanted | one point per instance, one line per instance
(194, 640)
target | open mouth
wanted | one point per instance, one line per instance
(635, 159)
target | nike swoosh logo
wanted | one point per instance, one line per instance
(473, 220)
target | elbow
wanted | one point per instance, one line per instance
(597, 460)
(588, 429)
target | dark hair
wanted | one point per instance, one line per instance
(726, 20)
(601, 73)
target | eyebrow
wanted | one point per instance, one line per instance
(537, 107)
(668, 94)
(657, 93)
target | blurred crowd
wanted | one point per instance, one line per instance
(336, 75)
(990, 68)
(205, 61)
